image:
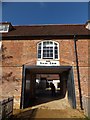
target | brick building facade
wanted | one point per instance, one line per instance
(24, 54)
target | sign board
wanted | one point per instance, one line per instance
(48, 63)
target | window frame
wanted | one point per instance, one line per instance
(41, 58)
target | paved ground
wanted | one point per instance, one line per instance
(51, 103)
(47, 107)
(49, 113)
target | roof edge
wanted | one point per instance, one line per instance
(45, 37)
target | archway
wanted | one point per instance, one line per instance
(29, 82)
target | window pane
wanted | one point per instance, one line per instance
(55, 44)
(48, 51)
(39, 44)
(56, 50)
(39, 50)
(44, 43)
(56, 56)
(51, 43)
(39, 47)
(39, 53)
(56, 47)
(51, 55)
(48, 42)
(51, 51)
(48, 55)
(39, 56)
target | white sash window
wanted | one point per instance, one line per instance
(48, 50)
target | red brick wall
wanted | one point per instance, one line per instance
(11, 83)
(25, 51)
(19, 52)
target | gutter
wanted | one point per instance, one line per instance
(36, 37)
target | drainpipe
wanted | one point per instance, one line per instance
(78, 75)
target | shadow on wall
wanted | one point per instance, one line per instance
(9, 77)
(4, 53)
